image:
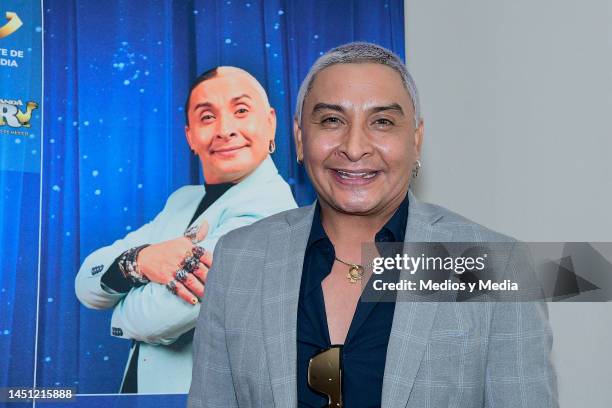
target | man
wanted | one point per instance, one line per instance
(286, 288)
(154, 277)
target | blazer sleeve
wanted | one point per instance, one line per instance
(88, 285)
(89, 288)
(519, 371)
(152, 314)
(212, 384)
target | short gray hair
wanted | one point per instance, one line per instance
(354, 53)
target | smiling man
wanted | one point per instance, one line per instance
(154, 278)
(230, 103)
(284, 323)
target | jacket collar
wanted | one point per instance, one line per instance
(412, 321)
(265, 172)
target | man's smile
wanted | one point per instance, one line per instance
(227, 150)
(355, 176)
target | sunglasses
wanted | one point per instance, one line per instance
(325, 375)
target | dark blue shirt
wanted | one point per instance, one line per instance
(365, 348)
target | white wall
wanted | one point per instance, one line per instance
(517, 102)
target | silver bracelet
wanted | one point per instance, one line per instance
(128, 264)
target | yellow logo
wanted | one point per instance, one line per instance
(14, 22)
(11, 115)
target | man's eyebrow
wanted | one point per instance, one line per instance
(393, 106)
(327, 106)
(208, 105)
(203, 105)
(237, 98)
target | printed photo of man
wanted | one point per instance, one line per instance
(154, 278)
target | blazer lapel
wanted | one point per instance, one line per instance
(412, 321)
(181, 216)
(281, 287)
(265, 172)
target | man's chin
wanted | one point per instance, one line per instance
(353, 207)
(231, 171)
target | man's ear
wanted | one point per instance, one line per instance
(297, 135)
(418, 137)
(272, 122)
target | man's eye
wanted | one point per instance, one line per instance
(331, 121)
(242, 111)
(207, 117)
(382, 122)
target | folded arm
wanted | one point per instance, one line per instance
(90, 289)
(154, 315)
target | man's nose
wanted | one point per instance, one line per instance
(356, 143)
(226, 127)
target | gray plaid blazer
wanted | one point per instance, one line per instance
(440, 354)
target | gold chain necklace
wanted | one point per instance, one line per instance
(355, 272)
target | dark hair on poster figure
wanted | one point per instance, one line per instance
(211, 73)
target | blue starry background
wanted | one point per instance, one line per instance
(116, 78)
(20, 79)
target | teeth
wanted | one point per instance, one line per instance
(347, 175)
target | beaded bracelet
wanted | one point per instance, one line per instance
(129, 266)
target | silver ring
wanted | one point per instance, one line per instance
(181, 275)
(192, 233)
(197, 252)
(171, 286)
(190, 264)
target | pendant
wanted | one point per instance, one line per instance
(355, 273)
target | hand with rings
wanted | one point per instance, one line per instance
(178, 264)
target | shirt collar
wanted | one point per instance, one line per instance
(393, 231)
(217, 189)
(396, 225)
(317, 232)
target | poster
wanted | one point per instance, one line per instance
(93, 144)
